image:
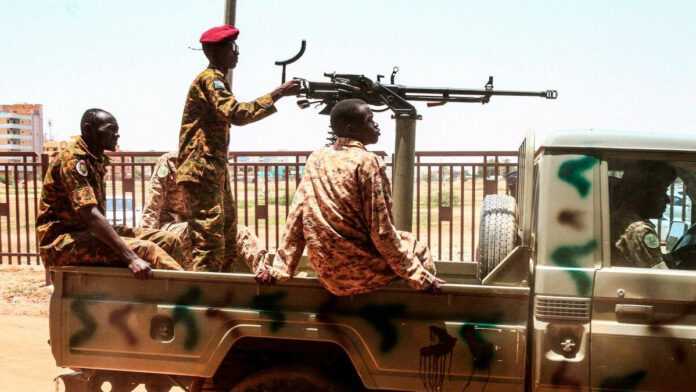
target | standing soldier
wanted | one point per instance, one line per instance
(167, 204)
(71, 228)
(203, 142)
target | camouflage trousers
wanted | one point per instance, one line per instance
(248, 249)
(212, 224)
(159, 248)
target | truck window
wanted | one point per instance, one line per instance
(646, 199)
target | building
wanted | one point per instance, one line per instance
(21, 128)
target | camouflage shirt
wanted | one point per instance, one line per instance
(205, 127)
(342, 212)
(74, 179)
(635, 241)
(167, 201)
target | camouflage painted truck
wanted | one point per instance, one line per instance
(542, 309)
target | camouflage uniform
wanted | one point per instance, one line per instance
(342, 213)
(635, 240)
(202, 164)
(166, 206)
(75, 179)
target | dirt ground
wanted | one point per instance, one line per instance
(26, 362)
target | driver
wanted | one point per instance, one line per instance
(640, 196)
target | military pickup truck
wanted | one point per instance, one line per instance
(543, 308)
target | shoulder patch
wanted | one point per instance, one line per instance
(81, 168)
(218, 84)
(162, 171)
(651, 241)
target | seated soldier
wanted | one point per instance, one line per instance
(71, 228)
(342, 212)
(166, 209)
(639, 196)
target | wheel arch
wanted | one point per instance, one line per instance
(343, 341)
(248, 354)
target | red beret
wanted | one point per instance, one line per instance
(219, 34)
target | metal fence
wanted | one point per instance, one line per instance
(449, 187)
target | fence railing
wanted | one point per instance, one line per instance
(449, 187)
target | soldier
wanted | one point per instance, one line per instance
(342, 212)
(203, 141)
(639, 196)
(71, 228)
(167, 204)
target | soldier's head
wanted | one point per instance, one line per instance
(99, 130)
(220, 46)
(644, 186)
(352, 118)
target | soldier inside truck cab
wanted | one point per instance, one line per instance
(639, 196)
(70, 226)
(342, 212)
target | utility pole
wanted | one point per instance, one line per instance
(230, 19)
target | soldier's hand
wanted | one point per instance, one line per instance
(140, 268)
(263, 276)
(435, 287)
(291, 87)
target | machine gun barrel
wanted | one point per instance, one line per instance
(454, 95)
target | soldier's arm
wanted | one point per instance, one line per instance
(228, 108)
(292, 244)
(98, 225)
(640, 246)
(84, 201)
(376, 198)
(156, 192)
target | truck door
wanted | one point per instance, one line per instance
(643, 329)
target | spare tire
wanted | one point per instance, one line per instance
(497, 232)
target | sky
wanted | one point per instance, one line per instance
(625, 65)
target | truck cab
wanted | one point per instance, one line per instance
(545, 307)
(599, 322)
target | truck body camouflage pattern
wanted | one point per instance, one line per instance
(553, 315)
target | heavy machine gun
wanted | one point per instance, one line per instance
(397, 98)
(392, 96)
